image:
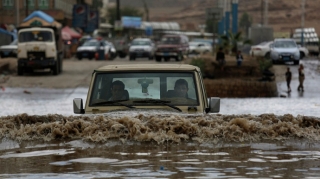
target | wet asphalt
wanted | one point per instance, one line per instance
(36, 100)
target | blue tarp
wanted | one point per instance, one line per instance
(41, 15)
(14, 33)
(5, 32)
(133, 22)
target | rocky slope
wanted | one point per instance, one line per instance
(283, 15)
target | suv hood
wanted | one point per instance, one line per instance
(90, 48)
(286, 50)
(147, 112)
(168, 45)
(144, 47)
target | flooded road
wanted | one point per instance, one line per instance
(249, 138)
(159, 145)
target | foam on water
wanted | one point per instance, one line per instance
(159, 128)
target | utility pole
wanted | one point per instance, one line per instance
(261, 11)
(118, 11)
(146, 10)
(302, 21)
(27, 6)
(266, 10)
(17, 13)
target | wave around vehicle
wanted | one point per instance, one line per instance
(159, 128)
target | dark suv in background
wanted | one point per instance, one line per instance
(172, 46)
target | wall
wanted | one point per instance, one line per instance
(256, 37)
(237, 88)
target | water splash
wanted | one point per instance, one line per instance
(159, 128)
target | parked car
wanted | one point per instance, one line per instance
(141, 47)
(285, 50)
(199, 48)
(304, 52)
(261, 50)
(90, 48)
(172, 46)
(9, 50)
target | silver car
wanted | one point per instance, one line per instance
(285, 50)
(141, 47)
(9, 50)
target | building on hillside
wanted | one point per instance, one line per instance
(12, 12)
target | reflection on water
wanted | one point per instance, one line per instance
(154, 145)
(170, 160)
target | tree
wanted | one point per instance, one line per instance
(245, 23)
(232, 41)
(125, 11)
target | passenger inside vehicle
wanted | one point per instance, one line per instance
(180, 89)
(118, 92)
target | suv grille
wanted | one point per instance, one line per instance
(36, 55)
(167, 49)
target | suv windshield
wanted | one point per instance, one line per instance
(45, 36)
(284, 44)
(140, 42)
(144, 89)
(91, 43)
(170, 40)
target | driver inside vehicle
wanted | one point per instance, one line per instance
(117, 91)
(181, 88)
(180, 93)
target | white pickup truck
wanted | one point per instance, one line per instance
(39, 48)
(170, 87)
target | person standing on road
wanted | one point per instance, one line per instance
(239, 58)
(288, 78)
(301, 78)
(220, 57)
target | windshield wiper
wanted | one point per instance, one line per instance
(114, 102)
(156, 101)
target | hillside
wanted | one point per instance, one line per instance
(283, 15)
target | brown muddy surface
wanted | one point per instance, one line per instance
(159, 146)
(159, 128)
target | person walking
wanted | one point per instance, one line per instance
(301, 77)
(220, 57)
(288, 79)
(239, 58)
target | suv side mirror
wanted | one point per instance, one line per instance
(214, 105)
(78, 106)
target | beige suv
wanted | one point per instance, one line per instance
(169, 87)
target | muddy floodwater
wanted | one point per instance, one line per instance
(156, 144)
(40, 137)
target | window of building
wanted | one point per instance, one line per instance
(31, 4)
(7, 4)
(43, 4)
